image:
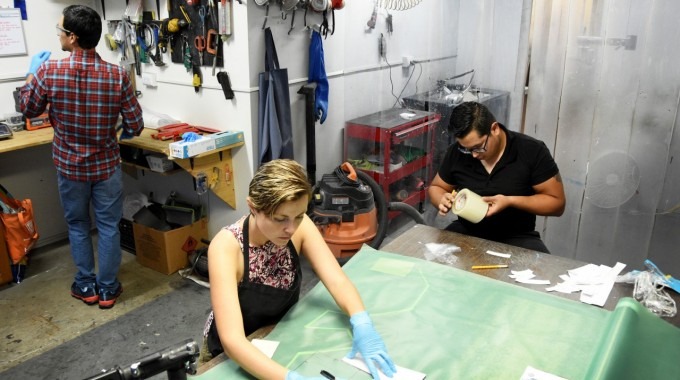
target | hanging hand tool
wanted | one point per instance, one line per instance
(197, 79)
(374, 17)
(212, 12)
(187, 53)
(212, 46)
(199, 44)
(224, 18)
(184, 12)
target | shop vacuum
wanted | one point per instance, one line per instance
(348, 211)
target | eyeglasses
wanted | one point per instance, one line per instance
(60, 30)
(481, 149)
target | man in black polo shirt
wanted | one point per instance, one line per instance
(514, 173)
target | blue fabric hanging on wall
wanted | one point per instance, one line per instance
(317, 73)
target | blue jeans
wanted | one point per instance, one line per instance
(107, 203)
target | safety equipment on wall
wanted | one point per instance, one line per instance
(337, 4)
(398, 5)
(289, 5)
(320, 5)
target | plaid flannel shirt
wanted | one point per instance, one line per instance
(86, 95)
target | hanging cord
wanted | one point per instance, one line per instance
(404, 88)
(420, 65)
(391, 83)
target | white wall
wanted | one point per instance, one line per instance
(359, 84)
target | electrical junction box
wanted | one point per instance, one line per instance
(149, 79)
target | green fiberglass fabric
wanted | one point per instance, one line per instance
(445, 322)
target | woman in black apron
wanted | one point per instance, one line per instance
(255, 274)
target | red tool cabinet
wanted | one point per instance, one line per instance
(394, 147)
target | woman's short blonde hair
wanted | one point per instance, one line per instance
(276, 182)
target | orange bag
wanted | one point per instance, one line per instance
(20, 229)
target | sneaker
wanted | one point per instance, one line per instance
(87, 293)
(108, 298)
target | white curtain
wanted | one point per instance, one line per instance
(604, 85)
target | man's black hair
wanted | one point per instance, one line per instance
(85, 23)
(470, 116)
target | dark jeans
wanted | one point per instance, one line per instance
(529, 240)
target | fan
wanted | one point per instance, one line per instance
(612, 179)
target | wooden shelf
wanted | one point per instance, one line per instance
(215, 164)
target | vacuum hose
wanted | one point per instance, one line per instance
(380, 204)
(407, 209)
(384, 207)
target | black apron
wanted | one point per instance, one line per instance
(261, 305)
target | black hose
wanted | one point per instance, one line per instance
(407, 209)
(381, 205)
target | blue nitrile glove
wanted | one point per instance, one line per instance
(317, 73)
(190, 136)
(292, 375)
(125, 135)
(371, 346)
(38, 60)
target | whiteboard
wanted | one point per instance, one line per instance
(12, 40)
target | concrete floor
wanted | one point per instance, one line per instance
(50, 335)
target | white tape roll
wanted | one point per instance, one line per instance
(469, 205)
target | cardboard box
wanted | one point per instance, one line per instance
(186, 149)
(226, 138)
(5, 268)
(159, 163)
(167, 251)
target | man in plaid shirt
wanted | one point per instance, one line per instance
(86, 95)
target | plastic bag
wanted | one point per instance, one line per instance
(443, 253)
(649, 291)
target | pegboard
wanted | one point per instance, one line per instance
(181, 9)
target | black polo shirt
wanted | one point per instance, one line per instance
(525, 163)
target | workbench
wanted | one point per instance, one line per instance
(26, 139)
(217, 161)
(473, 252)
(450, 323)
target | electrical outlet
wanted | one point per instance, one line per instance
(406, 61)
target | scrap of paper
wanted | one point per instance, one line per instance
(268, 347)
(527, 277)
(593, 281)
(531, 373)
(401, 374)
(498, 254)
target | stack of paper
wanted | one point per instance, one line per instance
(593, 281)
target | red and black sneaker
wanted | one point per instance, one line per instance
(108, 298)
(87, 293)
